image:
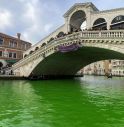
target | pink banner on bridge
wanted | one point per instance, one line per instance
(69, 48)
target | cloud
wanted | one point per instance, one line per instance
(31, 18)
(5, 19)
(48, 27)
(35, 19)
(30, 33)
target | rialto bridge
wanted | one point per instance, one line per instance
(88, 35)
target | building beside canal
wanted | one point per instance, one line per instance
(11, 49)
(116, 67)
(98, 68)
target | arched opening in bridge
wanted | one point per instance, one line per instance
(100, 24)
(100, 68)
(69, 63)
(43, 44)
(31, 52)
(51, 39)
(60, 34)
(36, 48)
(25, 55)
(117, 23)
(83, 26)
(78, 21)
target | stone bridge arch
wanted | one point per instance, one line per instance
(99, 24)
(108, 16)
(76, 20)
(57, 63)
(97, 17)
(70, 63)
(117, 22)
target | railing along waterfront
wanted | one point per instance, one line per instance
(107, 34)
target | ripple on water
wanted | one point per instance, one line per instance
(83, 102)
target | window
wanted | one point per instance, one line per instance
(25, 46)
(1, 53)
(14, 55)
(10, 55)
(13, 43)
(1, 40)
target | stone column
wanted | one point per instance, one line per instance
(88, 20)
(108, 25)
(67, 25)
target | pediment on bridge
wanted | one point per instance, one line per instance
(82, 5)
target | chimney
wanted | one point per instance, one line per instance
(19, 35)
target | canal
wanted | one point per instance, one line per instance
(82, 102)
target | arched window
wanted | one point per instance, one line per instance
(43, 44)
(25, 55)
(117, 23)
(76, 20)
(1, 41)
(51, 39)
(100, 24)
(36, 48)
(61, 34)
(31, 52)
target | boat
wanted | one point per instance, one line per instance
(33, 78)
(109, 75)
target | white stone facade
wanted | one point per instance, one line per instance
(98, 68)
(118, 67)
(91, 15)
(112, 40)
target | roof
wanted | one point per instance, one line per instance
(8, 36)
(80, 4)
(110, 10)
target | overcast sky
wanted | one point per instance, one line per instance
(35, 19)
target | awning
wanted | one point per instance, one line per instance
(11, 61)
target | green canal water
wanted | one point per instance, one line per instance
(82, 102)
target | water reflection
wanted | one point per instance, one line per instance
(87, 101)
(108, 96)
(20, 105)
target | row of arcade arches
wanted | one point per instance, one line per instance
(117, 23)
(60, 34)
(78, 22)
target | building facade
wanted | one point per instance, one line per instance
(11, 49)
(116, 67)
(98, 68)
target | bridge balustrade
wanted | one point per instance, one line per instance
(111, 34)
(103, 34)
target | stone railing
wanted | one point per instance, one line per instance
(111, 34)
